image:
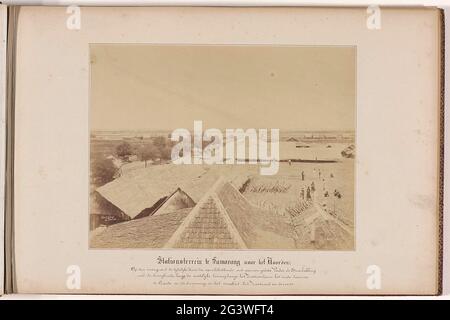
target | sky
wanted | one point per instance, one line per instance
(164, 87)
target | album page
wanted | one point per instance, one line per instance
(190, 150)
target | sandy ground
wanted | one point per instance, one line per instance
(326, 177)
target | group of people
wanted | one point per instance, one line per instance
(308, 193)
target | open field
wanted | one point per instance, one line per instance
(287, 186)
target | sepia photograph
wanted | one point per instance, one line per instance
(222, 147)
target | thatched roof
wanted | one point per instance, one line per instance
(317, 229)
(207, 227)
(178, 200)
(99, 206)
(258, 228)
(141, 189)
(148, 232)
(224, 219)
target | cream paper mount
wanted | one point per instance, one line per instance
(357, 185)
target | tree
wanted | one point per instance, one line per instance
(166, 153)
(102, 171)
(123, 150)
(160, 142)
(164, 146)
(148, 152)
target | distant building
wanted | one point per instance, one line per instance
(302, 145)
(116, 161)
(349, 152)
(132, 158)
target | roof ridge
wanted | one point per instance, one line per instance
(179, 231)
(243, 197)
(167, 200)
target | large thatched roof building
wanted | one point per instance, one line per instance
(140, 193)
(209, 212)
(222, 219)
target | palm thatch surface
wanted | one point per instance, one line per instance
(148, 232)
(208, 229)
(205, 209)
(138, 190)
(258, 228)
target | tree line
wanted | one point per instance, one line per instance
(103, 170)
